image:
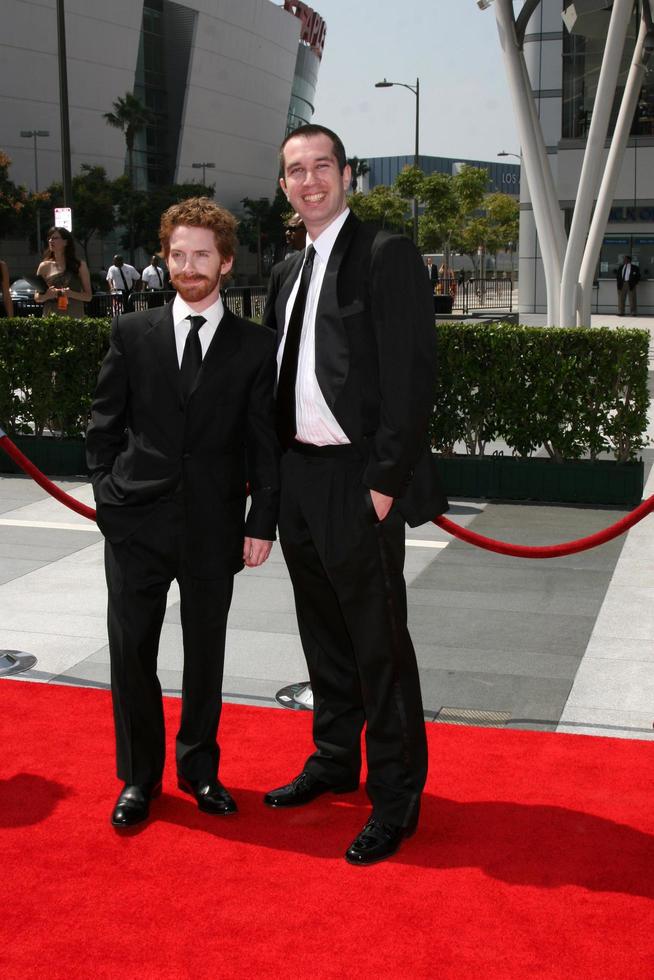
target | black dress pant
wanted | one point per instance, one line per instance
(139, 572)
(347, 573)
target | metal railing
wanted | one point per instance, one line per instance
(473, 294)
(105, 304)
(246, 301)
(249, 301)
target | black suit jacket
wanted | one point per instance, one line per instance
(634, 276)
(143, 443)
(376, 358)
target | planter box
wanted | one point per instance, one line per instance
(54, 457)
(579, 481)
(443, 305)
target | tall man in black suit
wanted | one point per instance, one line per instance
(627, 277)
(355, 326)
(182, 418)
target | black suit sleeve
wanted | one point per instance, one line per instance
(403, 324)
(263, 450)
(269, 318)
(105, 437)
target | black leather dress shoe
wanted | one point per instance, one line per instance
(210, 795)
(376, 842)
(303, 789)
(133, 804)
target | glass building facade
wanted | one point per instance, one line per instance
(164, 53)
(303, 93)
(581, 62)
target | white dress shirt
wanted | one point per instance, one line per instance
(153, 277)
(181, 310)
(315, 422)
(116, 275)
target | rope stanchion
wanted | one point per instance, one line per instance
(471, 537)
(28, 467)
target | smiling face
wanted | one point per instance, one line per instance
(195, 265)
(312, 181)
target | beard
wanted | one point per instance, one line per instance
(193, 289)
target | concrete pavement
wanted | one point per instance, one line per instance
(563, 644)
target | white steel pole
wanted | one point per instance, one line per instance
(523, 104)
(610, 178)
(592, 162)
(554, 209)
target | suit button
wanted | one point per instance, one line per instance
(186, 455)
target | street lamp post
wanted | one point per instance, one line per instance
(416, 91)
(63, 103)
(34, 134)
(205, 167)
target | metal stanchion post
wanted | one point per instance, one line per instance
(298, 696)
(13, 662)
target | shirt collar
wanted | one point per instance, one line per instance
(213, 315)
(324, 243)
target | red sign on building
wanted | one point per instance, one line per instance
(314, 29)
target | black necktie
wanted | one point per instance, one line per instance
(286, 423)
(192, 357)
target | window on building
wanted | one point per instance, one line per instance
(614, 249)
(582, 61)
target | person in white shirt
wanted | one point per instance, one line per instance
(121, 277)
(153, 275)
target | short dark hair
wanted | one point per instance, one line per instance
(312, 129)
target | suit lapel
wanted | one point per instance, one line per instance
(224, 345)
(285, 290)
(162, 332)
(332, 351)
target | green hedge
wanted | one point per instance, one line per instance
(48, 371)
(578, 391)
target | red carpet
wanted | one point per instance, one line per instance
(534, 858)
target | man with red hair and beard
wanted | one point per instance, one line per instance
(181, 421)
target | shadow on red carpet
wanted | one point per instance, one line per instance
(534, 857)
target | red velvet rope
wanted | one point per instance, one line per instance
(489, 544)
(549, 550)
(14, 453)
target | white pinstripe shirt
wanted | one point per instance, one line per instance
(315, 422)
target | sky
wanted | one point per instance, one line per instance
(450, 45)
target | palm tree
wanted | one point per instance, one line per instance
(359, 169)
(130, 116)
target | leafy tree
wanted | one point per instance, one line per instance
(382, 205)
(130, 116)
(495, 228)
(359, 169)
(17, 205)
(262, 228)
(447, 201)
(144, 208)
(93, 204)
(257, 216)
(503, 212)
